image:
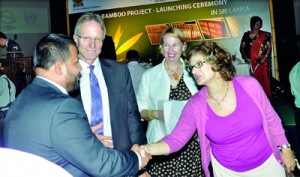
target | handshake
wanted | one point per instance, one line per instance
(146, 151)
(145, 156)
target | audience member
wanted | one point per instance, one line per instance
(44, 120)
(118, 110)
(108, 50)
(169, 81)
(135, 68)
(240, 133)
(256, 47)
(11, 46)
(294, 78)
(7, 96)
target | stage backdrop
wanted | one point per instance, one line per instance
(139, 27)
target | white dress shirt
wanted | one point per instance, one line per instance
(136, 72)
(86, 93)
(55, 84)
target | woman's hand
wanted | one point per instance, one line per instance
(288, 159)
(158, 114)
(158, 148)
(150, 115)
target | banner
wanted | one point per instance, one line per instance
(77, 6)
(223, 21)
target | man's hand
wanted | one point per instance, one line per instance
(106, 140)
(145, 156)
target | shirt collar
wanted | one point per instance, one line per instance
(55, 84)
(84, 65)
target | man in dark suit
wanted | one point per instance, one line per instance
(121, 119)
(11, 46)
(53, 125)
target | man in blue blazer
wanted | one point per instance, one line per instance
(121, 118)
(44, 120)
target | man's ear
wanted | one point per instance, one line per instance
(59, 67)
(75, 39)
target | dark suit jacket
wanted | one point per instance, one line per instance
(108, 50)
(126, 125)
(53, 125)
(13, 46)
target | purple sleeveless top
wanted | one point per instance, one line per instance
(238, 140)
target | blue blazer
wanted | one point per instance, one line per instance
(126, 125)
(46, 122)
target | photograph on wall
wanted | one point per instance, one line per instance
(214, 28)
(237, 25)
(190, 30)
(154, 32)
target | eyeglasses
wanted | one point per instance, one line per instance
(90, 39)
(197, 65)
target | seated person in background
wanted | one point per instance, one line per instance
(135, 68)
(54, 125)
(11, 46)
(7, 96)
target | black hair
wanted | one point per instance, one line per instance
(51, 48)
(133, 55)
(255, 19)
(2, 35)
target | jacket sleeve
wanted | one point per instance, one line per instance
(143, 98)
(73, 139)
(185, 128)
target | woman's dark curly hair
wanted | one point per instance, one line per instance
(219, 59)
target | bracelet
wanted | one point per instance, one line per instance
(149, 115)
(284, 146)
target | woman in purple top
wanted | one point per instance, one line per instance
(240, 133)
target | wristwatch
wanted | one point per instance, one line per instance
(284, 146)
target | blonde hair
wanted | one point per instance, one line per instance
(173, 32)
(90, 17)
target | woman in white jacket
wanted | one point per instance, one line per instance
(168, 81)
